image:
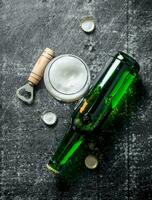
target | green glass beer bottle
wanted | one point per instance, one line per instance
(93, 110)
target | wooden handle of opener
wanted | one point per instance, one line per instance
(38, 69)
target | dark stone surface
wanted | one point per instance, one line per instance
(26, 28)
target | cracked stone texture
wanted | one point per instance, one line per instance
(26, 28)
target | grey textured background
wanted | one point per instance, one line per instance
(26, 28)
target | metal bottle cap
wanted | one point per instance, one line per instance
(49, 117)
(87, 24)
(91, 162)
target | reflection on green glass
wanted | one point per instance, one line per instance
(71, 151)
(119, 91)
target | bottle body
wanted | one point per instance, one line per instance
(107, 92)
(94, 109)
(70, 143)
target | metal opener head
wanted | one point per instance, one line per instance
(25, 93)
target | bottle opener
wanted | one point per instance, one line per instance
(25, 93)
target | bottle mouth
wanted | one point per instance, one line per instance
(51, 169)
